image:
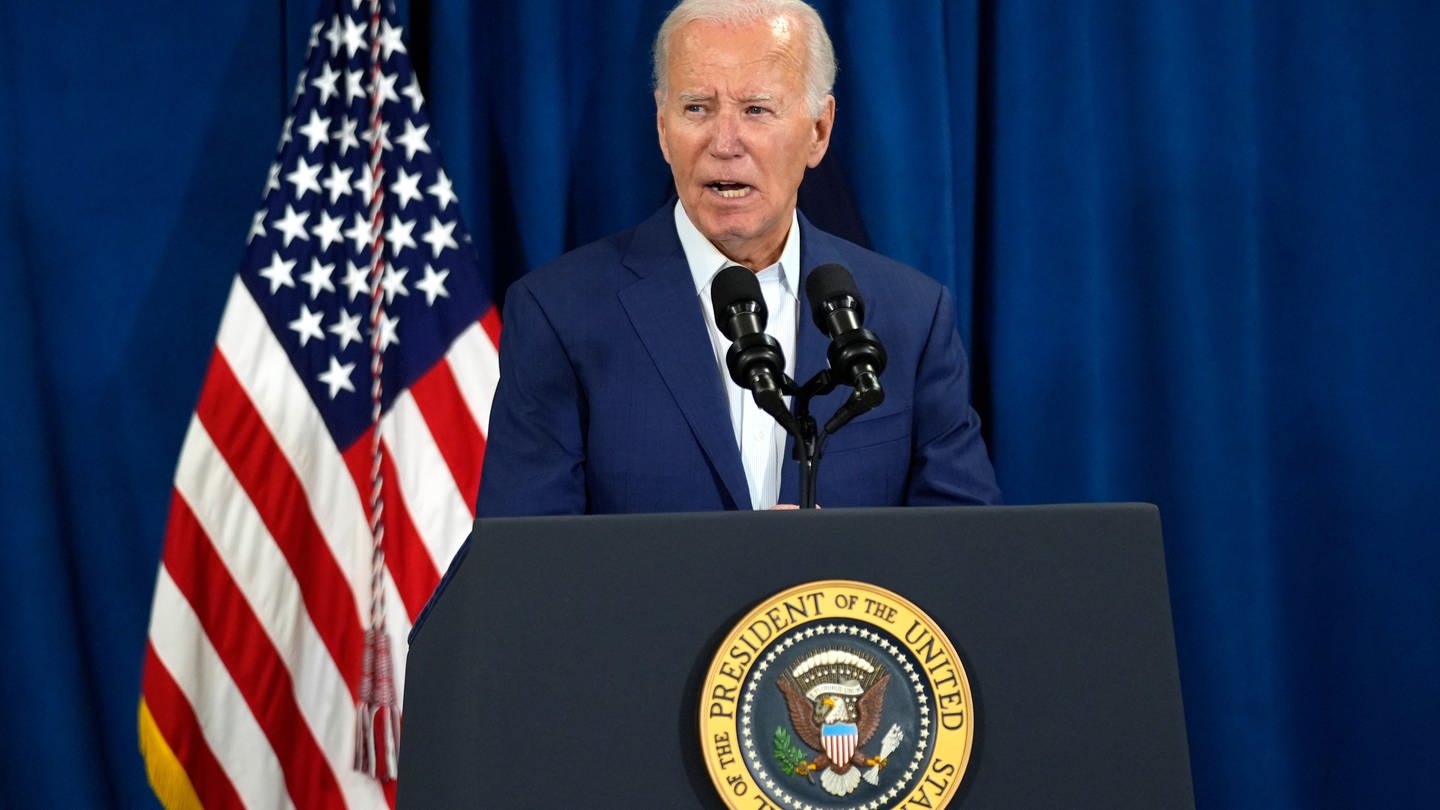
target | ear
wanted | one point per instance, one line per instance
(823, 125)
(660, 124)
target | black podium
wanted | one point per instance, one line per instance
(562, 665)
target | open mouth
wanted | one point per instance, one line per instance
(730, 191)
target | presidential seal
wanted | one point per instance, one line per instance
(836, 695)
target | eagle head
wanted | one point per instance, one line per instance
(831, 709)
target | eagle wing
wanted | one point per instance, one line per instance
(868, 709)
(802, 712)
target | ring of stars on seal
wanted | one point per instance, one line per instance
(836, 695)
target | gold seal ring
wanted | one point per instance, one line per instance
(839, 694)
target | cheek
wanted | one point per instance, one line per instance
(798, 160)
(681, 149)
(795, 152)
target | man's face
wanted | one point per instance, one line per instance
(737, 133)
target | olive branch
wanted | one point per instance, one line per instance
(789, 755)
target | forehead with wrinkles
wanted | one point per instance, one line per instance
(747, 58)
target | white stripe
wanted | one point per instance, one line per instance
(238, 742)
(283, 402)
(397, 624)
(260, 571)
(476, 366)
(433, 500)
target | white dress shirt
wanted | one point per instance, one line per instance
(760, 438)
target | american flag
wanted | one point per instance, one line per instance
(297, 529)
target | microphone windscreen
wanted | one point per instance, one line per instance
(733, 285)
(825, 283)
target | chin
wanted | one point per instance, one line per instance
(729, 228)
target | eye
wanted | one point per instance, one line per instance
(755, 109)
(694, 108)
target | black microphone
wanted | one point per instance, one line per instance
(855, 352)
(755, 360)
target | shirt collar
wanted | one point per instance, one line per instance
(706, 260)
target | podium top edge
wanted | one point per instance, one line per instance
(1054, 510)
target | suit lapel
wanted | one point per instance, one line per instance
(662, 308)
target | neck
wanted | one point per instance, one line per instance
(755, 254)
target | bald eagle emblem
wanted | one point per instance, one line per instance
(835, 698)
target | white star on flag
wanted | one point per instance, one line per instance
(433, 284)
(337, 377)
(414, 140)
(438, 237)
(305, 178)
(406, 188)
(316, 131)
(308, 325)
(318, 277)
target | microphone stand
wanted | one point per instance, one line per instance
(809, 439)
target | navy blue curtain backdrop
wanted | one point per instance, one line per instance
(1194, 246)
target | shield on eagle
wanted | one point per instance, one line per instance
(839, 740)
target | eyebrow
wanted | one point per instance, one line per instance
(688, 98)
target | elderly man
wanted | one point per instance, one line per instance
(613, 394)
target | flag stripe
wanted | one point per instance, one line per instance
(476, 365)
(229, 728)
(406, 556)
(440, 514)
(180, 728)
(406, 559)
(456, 435)
(252, 661)
(271, 484)
(490, 321)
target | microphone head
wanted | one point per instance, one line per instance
(735, 290)
(825, 285)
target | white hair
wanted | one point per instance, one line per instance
(820, 53)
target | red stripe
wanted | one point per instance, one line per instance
(178, 724)
(263, 471)
(255, 666)
(456, 435)
(490, 322)
(406, 557)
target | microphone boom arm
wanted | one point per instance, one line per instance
(809, 439)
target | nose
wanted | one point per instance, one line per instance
(726, 140)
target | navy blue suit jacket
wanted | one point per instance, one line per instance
(610, 399)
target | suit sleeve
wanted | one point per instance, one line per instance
(949, 463)
(535, 447)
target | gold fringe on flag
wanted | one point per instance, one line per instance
(167, 777)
